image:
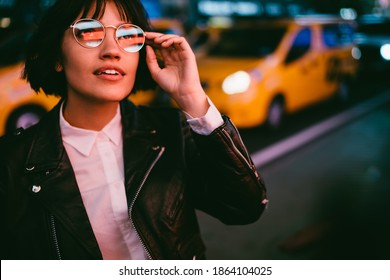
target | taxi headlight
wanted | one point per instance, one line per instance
(236, 83)
(385, 51)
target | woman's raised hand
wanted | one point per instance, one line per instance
(179, 75)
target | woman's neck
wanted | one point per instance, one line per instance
(89, 115)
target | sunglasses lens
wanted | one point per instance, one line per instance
(89, 33)
(130, 37)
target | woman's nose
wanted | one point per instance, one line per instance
(110, 47)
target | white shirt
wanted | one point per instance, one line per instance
(97, 161)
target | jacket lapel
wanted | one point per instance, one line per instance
(48, 168)
(141, 146)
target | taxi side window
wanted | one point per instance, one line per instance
(337, 35)
(300, 46)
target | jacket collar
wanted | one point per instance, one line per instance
(47, 150)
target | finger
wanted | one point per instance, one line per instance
(159, 44)
(179, 43)
(158, 37)
(151, 61)
(165, 40)
(152, 35)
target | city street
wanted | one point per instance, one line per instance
(305, 81)
(328, 198)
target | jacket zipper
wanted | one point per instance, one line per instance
(238, 152)
(136, 196)
(54, 235)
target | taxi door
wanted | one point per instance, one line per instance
(302, 78)
(336, 49)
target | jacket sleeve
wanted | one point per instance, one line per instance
(225, 182)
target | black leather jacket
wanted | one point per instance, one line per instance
(169, 172)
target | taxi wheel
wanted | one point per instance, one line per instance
(24, 117)
(275, 113)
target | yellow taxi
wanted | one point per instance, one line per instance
(257, 71)
(20, 106)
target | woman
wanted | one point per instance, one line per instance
(99, 178)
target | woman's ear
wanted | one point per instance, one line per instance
(59, 67)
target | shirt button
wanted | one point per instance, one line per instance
(36, 189)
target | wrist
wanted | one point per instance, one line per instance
(194, 105)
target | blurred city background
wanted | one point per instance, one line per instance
(307, 84)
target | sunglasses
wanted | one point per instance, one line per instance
(90, 33)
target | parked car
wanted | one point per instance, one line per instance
(372, 39)
(257, 71)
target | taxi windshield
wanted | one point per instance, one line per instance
(248, 42)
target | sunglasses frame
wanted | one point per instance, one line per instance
(73, 26)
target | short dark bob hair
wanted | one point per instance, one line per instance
(44, 49)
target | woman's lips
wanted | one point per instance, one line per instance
(109, 73)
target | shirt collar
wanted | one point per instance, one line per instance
(83, 139)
